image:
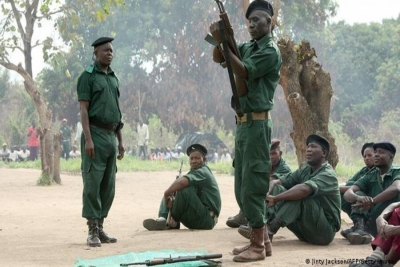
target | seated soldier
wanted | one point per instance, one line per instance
(371, 194)
(279, 168)
(197, 202)
(386, 245)
(307, 201)
(367, 151)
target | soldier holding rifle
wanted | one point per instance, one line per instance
(197, 201)
(258, 65)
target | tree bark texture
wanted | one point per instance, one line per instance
(308, 93)
(57, 153)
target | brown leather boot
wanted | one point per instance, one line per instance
(93, 235)
(267, 245)
(104, 238)
(256, 249)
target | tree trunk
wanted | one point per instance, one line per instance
(308, 93)
(45, 131)
(57, 153)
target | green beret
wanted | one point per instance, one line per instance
(315, 138)
(385, 145)
(260, 5)
(102, 40)
(196, 147)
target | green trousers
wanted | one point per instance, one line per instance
(99, 174)
(305, 218)
(371, 214)
(252, 165)
(189, 210)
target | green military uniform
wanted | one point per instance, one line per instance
(65, 141)
(346, 206)
(281, 169)
(316, 218)
(102, 91)
(198, 205)
(262, 60)
(371, 184)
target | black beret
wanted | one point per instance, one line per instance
(365, 146)
(196, 147)
(102, 40)
(319, 140)
(385, 145)
(275, 143)
(260, 5)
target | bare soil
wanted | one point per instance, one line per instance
(42, 226)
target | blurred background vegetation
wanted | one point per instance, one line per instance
(168, 78)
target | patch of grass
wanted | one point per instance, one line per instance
(130, 163)
(44, 180)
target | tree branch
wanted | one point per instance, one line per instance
(17, 68)
(17, 19)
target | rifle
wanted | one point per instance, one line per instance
(173, 196)
(238, 85)
(206, 258)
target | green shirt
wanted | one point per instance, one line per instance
(102, 91)
(262, 60)
(282, 169)
(206, 187)
(66, 132)
(324, 185)
(372, 184)
(358, 175)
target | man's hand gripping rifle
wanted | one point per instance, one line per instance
(171, 199)
(226, 34)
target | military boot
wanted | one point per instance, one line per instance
(360, 235)
(256, 250)
(273, 227)
(245, 231)
(104, 238)
(267, 244)
(237, 220)
(346, 232)
(93, 235)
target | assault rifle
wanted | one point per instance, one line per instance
(205, 258)
(238, 86)
(173, 197)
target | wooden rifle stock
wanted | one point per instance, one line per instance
(240, 83)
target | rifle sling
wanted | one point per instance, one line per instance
(235, 97)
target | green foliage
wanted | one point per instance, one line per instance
(364, 65)
(44, 180)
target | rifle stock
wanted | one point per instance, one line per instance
(240, 83)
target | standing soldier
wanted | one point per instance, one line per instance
(65, 139)
(98, 94)
(259, 67)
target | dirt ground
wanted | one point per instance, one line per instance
(42, 226)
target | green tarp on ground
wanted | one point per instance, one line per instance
(132, 257)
